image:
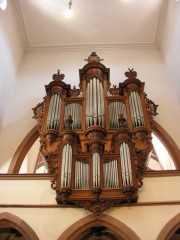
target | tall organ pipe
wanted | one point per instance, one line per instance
(96, 170)
(110, 171)
(95, 103)
(66, 168)
(126, 170)
(137, 115)
(54, 112)
(81, 175)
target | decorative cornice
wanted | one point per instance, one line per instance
(160, 23)
(138, 204)
(21, 23)
(39, 176)
(89, 47)
(45, 176)
(47, 48)
(164, 173)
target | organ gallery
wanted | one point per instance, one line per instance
(95, 139)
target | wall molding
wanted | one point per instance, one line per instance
(138, 204)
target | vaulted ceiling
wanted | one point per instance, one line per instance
(95, 22)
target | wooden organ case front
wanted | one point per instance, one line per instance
(95, 140)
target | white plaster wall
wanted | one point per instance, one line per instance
(11, 53)
(49, 223)
(39, 191)
(38, 67)
(26, 192)
(170, 43)
(146, 221)
(159, 189)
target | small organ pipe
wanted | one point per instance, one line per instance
(62, 168)
(94, 101)
(81, 175)
(87, 105)
(110, 171)
(74, 109)
(66, 166)
(132, 109)
(102, 104)
(117, 179)
(91, 104)
(99, 104)
(125, 165)
(96, 170)
(141, 111)
(129, 164)
(54, 112)
(115, 109)
(122, 166)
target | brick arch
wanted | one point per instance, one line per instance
(170, 228)
(89, 221)
(11, 220)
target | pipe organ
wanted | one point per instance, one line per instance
(95, 139)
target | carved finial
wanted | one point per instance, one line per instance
(69, 122)
(131, 73)
(93, 58)
(114, 91)
(58, 76)
(121, 121)
(75, 92)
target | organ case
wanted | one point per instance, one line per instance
(96, 139)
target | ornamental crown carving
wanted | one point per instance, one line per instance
(93, 58)
(58, 76)
(131, 74)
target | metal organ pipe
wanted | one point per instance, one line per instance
(96, 170)
(126, 170)
(136, 109)
(110, 171)
(66, 168)
(54, 112)
(95, 103)
(81, 175)
(75, 110)
(115, 109)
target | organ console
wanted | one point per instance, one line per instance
(96, 139)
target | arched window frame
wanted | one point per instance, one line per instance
(32, 136)
(10, 220)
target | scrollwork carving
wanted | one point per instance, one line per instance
(142, 146)
(151, 107)
(95, 207)
(39, 113)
